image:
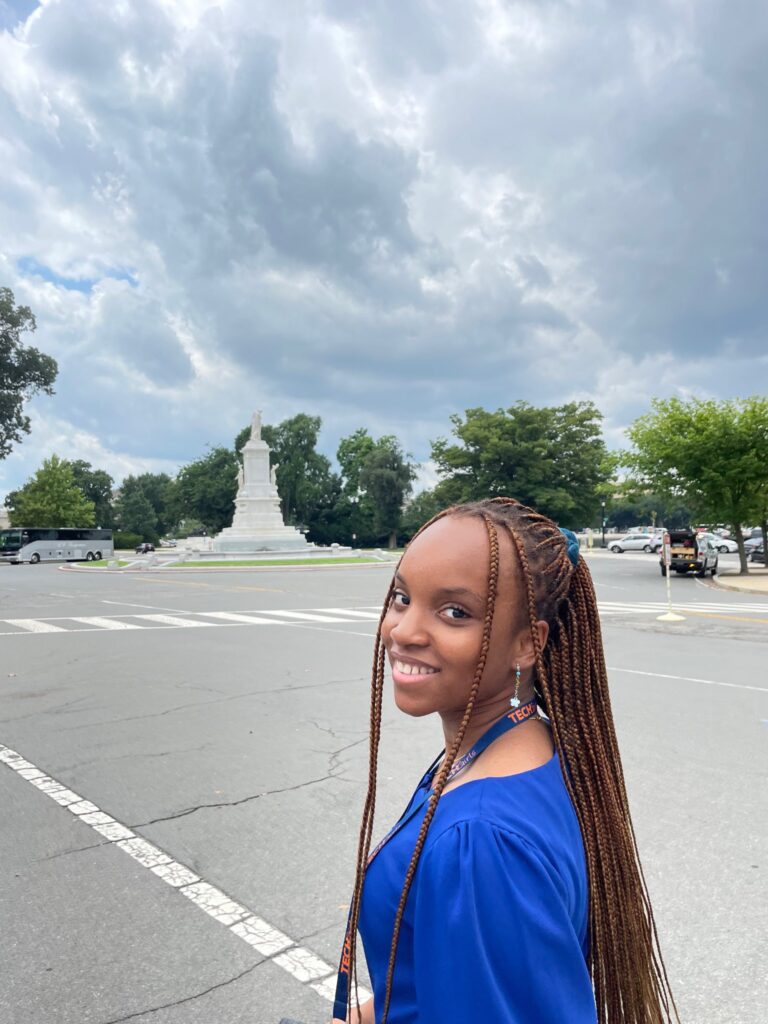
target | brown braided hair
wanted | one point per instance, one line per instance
(571, 685)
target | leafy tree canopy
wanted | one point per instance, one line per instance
(386, 476)
(52, 498)
(351, 454)
(422, 507)
(552, 458)
(205, 490)
(157, 488)
(96, 485)
(134, 514)
(24, 371)
(709, 454)
(304, 477)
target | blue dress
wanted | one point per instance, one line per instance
(495, 929)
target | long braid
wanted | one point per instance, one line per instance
(628, 973)
(366, 826)
(450, 755)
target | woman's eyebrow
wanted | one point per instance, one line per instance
(447, 591)
(460, 590)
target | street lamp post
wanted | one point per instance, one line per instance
(603, 521)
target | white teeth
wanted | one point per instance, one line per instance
(413, 670)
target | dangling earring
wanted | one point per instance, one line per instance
(515, 701)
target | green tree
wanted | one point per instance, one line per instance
(134, 514)
(387, 476)
(304, 477)
(96, 485)
(205, 490)
(419, 510)
(552, 458)
(354, 511)
(24, 371)
(157, 489)
(709, 454)
(351, 454)
(52, 498)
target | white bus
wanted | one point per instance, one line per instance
(49, 544)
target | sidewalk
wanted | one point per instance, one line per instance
(755, 583)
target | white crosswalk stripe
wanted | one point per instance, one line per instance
(737, 609)
(305, 616)
(253, 620)
(174, 620)
(35, 625)
(104, 623)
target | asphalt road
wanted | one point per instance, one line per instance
(237, 749)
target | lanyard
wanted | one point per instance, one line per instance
(503, 725)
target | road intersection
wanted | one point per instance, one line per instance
(221, 723)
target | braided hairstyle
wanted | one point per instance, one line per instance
(570, 681)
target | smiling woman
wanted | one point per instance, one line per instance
(510, 890)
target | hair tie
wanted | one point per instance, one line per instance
(573, 544)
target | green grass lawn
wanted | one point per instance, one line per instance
(275, 561)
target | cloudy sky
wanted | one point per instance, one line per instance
(381, 212)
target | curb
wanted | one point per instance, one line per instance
(738, 590)
(225, 569)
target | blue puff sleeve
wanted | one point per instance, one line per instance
(493, 935)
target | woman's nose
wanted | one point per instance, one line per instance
(410, 628)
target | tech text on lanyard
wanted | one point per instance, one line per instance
(504, 724)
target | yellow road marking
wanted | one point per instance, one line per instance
(717, 615)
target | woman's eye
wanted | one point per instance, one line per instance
(400, 600)
(460, 613)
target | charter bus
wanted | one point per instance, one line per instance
(49, 544)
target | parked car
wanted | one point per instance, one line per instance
(724, 545)
(637, 542)
(756, 554)
(690, 552)
(753, 543)
(145, 548)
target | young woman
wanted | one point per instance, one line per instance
(510, 891)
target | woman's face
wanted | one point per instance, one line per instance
(434, 628)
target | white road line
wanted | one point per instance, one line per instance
(149, 607)
(688, 679)
(239, 617)
(371, 616)
(35, 626)
(172, 620)
(103, 623)
(692, 606)
(321, 629)
(301, 963)
(304, 616)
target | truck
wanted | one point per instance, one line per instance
(688, 551)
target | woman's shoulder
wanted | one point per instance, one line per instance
(532, 808)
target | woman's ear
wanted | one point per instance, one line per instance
(523, 649)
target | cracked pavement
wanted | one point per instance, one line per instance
(242, 754)
(240, 780)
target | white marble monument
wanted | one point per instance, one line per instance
(258, 522)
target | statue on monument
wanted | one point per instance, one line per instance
(256, 426)
(258, 524)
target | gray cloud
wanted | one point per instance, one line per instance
(382, 213)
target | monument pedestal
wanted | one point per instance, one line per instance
(258, 522)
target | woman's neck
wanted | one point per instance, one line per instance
(484, 714)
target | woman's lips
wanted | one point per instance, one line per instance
(408, 670)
